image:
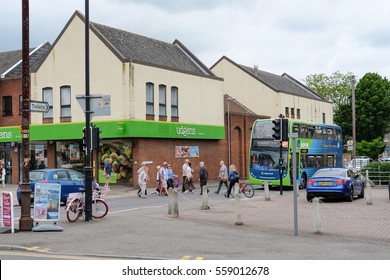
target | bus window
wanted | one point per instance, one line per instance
(303, 131)
(310, 131)
(329, 133)
(295, 128)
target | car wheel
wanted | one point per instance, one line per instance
(350, 196)
(361, 195)
(309, 197)
(303, 181)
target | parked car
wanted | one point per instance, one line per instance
(70, 181)
(384, 159)
(335, 183)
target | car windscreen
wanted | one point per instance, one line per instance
(330, 173)
(38, 175)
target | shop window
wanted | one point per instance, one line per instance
(47, 95)
(38, 156)
(120, 151)
(65, 102)
(7, 106)
(68, 155)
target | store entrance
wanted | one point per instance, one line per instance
(6, 158)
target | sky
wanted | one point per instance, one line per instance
(297, 37)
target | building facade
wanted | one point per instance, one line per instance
(157, 103)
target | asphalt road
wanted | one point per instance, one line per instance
(142, 229)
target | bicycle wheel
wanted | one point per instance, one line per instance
(73, 212)
(99, 208)
(249, 190)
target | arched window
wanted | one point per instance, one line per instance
(149, 98)
(174, 102)
(162, 96)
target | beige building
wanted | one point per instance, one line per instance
(269, 94)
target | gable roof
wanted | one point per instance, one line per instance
(284, 83)
(131, 47)
(11, 62)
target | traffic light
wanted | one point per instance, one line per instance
(96, 138)
(277, 129)
(84, 139)
(284, 130)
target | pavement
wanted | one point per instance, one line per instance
(261, 229)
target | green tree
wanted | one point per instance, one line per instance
(372, 107)
(335, 88)
(371, 149)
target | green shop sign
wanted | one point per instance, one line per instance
(116, 129)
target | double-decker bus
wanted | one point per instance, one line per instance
(317, 146)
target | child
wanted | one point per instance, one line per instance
(176, 181)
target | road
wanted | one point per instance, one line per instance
(142, 229)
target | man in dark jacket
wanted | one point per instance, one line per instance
(203, 175)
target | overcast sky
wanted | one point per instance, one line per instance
(298, 37)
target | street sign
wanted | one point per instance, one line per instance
(39, 106)
(293, 135)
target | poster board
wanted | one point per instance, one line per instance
(47, 202)
(7, 211)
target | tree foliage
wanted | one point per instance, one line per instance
(335, 88)
(372, 107)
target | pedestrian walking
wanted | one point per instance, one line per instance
(189, 179)
(184, 172)
(170, 181)
(107, 172)
(164, 179)
(223, 176)
(233, 179)
(142, 178)
(203, 176)
(158, 189)
(2, 177)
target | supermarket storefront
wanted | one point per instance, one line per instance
(128, 143)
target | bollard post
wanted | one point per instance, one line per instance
(173, 203)
(368, 193)
(316, 215)
(237, 203)
(266, 191)
(170, 201)
(205, 198)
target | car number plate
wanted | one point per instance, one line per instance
(325, 183)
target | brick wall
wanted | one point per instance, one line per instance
(11, 87)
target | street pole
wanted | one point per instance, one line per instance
(353, 121)
(281, 156)
(294, 178)
(25, 221)
(229, 130)
(87, 168)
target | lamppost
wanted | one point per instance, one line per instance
(25, 221)
(229, 130)
(353, 122)
(88, 157)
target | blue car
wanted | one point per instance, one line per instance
(335, 183)
(71, 181)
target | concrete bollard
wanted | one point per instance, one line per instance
(205, 198)
(266, 191)
(173, 203)
(316, 215)
(368, 193)
(237, 203)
